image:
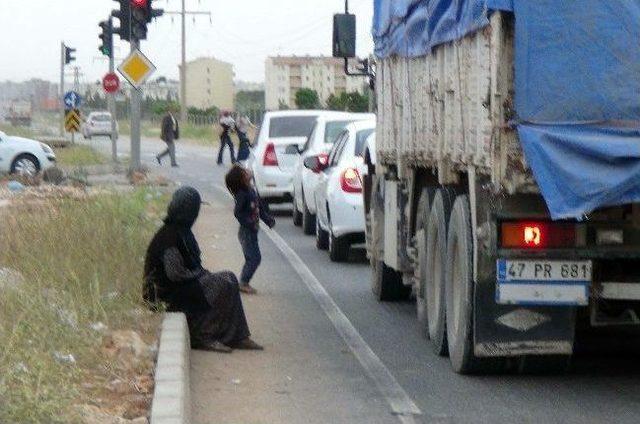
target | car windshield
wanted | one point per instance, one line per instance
(291, 126)
(101, 118)
(361, 140)
(332, 129)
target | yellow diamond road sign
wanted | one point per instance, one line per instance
(136, 68)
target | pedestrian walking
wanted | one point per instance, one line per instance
(242, 127)
(174, 275)
(170, 132)
(228, 125)
(249, 210)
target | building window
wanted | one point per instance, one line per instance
(208, 71)
(208, 91)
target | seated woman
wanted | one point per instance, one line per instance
(174, 275)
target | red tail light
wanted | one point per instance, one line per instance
(270, 157)
(350, 181)
(532, 235)
(323, 159)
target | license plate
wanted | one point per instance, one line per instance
(543, 282)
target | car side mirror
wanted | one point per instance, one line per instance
(344, 35)
(316, 163)
(292, 149)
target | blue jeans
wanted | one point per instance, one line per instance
(251, 250)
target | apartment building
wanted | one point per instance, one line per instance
(285, 75)
(210, 83)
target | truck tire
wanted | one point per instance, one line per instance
(459, 289)
(434, 279)
(422, 216)
(308, 219)
(322, 237)
(297, 215)
(386, 283)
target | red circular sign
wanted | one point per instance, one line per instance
(111, 83)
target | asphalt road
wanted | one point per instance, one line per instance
(599, 388)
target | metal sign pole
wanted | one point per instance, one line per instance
(135, 119)
(114, 114)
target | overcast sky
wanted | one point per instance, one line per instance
(243, 32)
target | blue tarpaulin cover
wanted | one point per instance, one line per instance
(577, 71)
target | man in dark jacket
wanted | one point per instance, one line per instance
(169, 134)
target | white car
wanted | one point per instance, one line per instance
(98, 123)
(275, 152)
(324, 133)
(339, 203)
(24, 156)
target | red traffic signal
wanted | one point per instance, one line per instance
(139, 3)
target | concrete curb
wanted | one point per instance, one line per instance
(172, 395)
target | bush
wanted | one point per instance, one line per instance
(82, 263)
(307, 99)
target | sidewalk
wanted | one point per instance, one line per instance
(306, 373)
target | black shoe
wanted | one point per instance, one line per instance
(159, 160)
(175, 165)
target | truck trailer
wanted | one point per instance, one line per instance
(505, 192)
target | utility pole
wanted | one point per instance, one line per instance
(183, 67)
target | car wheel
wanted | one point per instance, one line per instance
(322, 237)
(338, 248)
(25, 165)
(297, 215)
(308, 219)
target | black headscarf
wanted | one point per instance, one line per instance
(176, 232)
(182, 213)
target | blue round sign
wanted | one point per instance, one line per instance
(72, 100)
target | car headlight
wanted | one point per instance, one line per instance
(45, 148)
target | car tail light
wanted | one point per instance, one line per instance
(532, 235)
(270, 157)
(350, 181)
(323, 159)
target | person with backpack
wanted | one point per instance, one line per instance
(228, 125)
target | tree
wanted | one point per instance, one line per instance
(349, 102)
(307, 98)
(282, 105)
(250, 100)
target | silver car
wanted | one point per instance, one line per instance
(98, 124)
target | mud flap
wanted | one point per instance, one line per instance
(513, 330)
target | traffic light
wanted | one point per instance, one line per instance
(142, 13)
(68, 55)
(107, 37)
(124, 16)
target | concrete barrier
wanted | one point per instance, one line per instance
(171, 398)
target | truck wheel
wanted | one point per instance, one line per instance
(386, 283)
(297, 215)
(422, 216)
(338, 248)
(436, 248)
(459, 289)
(308, 219)
(322, 237)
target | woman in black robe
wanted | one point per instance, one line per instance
(174, 275)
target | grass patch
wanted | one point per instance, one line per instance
(25, 132)
(79, 155)
(206, 135)
(82, 263)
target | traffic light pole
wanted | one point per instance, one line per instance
(114, 114)
(60, 102)
(135, 119)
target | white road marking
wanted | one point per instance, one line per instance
(401, 404)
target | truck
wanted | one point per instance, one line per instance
(505, 191)
(19, 113)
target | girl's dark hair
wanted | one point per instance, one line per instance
(236, 179)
